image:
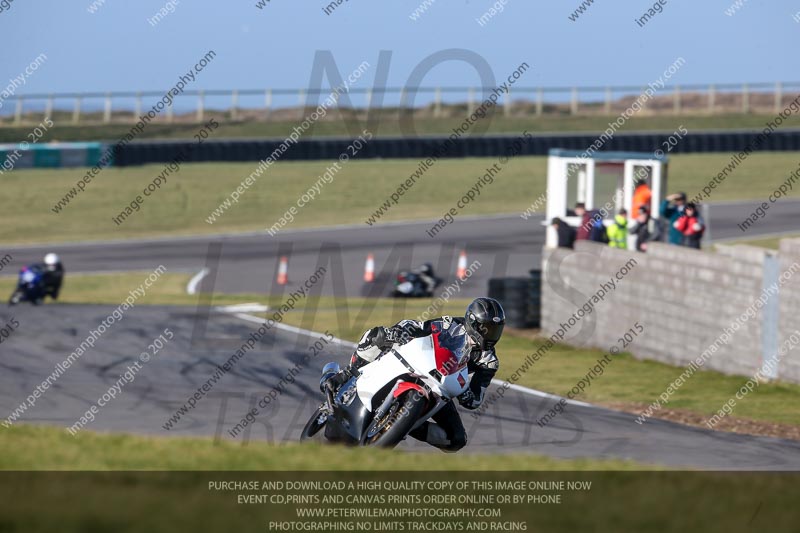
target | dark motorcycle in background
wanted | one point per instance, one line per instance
(30, 287)
(411, 285)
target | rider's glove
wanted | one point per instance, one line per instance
(467, 400)
(383, 338)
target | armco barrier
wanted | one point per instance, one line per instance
(139, 153)
(51, 155)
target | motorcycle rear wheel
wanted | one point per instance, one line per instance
(398, 421)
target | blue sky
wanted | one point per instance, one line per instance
(116, 49)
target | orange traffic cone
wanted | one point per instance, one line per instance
(369, 269)
(283, 271)
(461, 271)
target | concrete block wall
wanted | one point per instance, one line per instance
(684, 298)
(789, 317)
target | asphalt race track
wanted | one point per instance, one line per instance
(503, 245)
(46, 335)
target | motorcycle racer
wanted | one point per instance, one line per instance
(484, 321)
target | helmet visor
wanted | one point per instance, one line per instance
(490, 332)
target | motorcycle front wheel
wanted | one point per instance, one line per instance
(397, 422)
(15, 298)
(311, 431)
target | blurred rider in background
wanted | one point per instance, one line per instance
(53, 274)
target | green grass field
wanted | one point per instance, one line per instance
(773, 243)
(626, 381)
(389, 125)
(188, 198)
(47, 448)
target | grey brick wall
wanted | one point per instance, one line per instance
(684, 298)
(789, 320)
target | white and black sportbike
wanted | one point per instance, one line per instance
(380, 403)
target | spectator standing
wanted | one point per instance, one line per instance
(591, 227)
(566, 233)
(618, 231)
(691, 226)
(582, 233)
(671, 210)
(642, 195)
(645, 229)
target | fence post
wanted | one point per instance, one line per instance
(711, 98)
(573, 105)
(470, 100)
(539, 101)
(107, 109)
(301, 97)
(745, 98)
(607, 105)
(48, 110)
(201, 102)
(138, 107)
(437, 103)
(18, 111)
(170, 112)
(507, 103)
(778, 96)
(234, 103)
(76, 110)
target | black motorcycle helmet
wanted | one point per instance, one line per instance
(485, 320)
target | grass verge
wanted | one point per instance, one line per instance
(389, 125)
(184, 203)
(47, 448)
(773, 243)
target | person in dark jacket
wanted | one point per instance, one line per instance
(671, 210)
(483, 321)
(566, 233)
(645, 229)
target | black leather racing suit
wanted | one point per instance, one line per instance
(448, 432)
(52, 276)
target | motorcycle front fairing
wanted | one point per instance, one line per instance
(350, 416)
(422, 359)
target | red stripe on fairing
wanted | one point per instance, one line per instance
(406, 386)
(446, 362)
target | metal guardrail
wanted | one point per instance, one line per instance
(193, 106)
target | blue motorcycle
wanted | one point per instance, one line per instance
(30, 287)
